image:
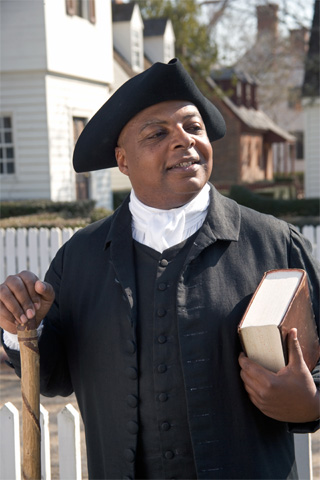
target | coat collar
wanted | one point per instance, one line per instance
(223, 217)
(222, 222)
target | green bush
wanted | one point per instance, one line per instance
(99, 214)
(276, 207)
(81, 208)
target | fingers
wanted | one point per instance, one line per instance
(19, 297)
(289, 395)
(23, 297)
(294, 349)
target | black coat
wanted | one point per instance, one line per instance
(88, 343)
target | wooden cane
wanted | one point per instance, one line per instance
(30, 391)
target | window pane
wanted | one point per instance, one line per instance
(10, 167)
(7, 122)
(1, 167)
(9, 152)
(1, 153)
(7, 137)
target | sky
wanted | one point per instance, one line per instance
(236, 30)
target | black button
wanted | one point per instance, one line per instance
(161, 312)
(132, 401)
(162, 286)
(132, 427)
(129, 455)
(165, 426)
(162, 339)
(132, 373)
(162, 368)
(164, 262)
(131, 346)
(163, 397)
(169, 455)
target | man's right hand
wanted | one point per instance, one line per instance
(23, 297)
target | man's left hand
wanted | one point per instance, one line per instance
(289, 395)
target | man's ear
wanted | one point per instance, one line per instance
(120, 154)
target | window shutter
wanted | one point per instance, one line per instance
(92, 11)
(71, 7)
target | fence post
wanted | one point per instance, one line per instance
(55, 241)
(33, 250)
(67, 234)
(45, 444)
(317, 250)
(44, 259)
(308, 231)
(9, 443)
(22, 263)
(303, 452)
(69, 443)
(10, 251)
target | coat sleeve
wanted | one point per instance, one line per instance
(300, 256)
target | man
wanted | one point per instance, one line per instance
(143, 326)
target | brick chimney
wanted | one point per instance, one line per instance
(267, 16)
(299, 38)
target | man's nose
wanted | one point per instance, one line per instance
(182, 139)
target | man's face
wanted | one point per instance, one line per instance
(166, 153)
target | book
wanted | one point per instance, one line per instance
(281, 302)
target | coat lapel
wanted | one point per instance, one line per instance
(120, 242)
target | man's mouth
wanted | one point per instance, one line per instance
(184, 164)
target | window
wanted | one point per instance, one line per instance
(299, 144)
(294, 98)
(82, 179)
(136, 49)
(82, 8)
(6, 146)
(168, 51)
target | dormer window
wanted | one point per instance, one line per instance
(136, 45)
(169, 51)
(82, 8)
(239, 92)
(128, 33)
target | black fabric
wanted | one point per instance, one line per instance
(164, 444)
(95, 148)
(88, 342)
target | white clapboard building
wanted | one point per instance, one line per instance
(56, 65)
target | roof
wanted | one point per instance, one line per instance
(122, 12)
(233, 72)
(255, 119)
(122, 62)
(154, 27)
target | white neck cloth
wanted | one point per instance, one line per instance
(161, 229)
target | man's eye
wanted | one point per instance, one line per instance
(157, 134)
(195, 128)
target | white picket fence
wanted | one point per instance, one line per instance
(30, 249)
(33, 249)
(68, 438)
(69, 446)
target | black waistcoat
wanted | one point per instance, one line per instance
(164, 444)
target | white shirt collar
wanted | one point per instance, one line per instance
(161, 229)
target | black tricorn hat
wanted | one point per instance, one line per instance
(95, 148)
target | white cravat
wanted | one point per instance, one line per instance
(161, 229)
